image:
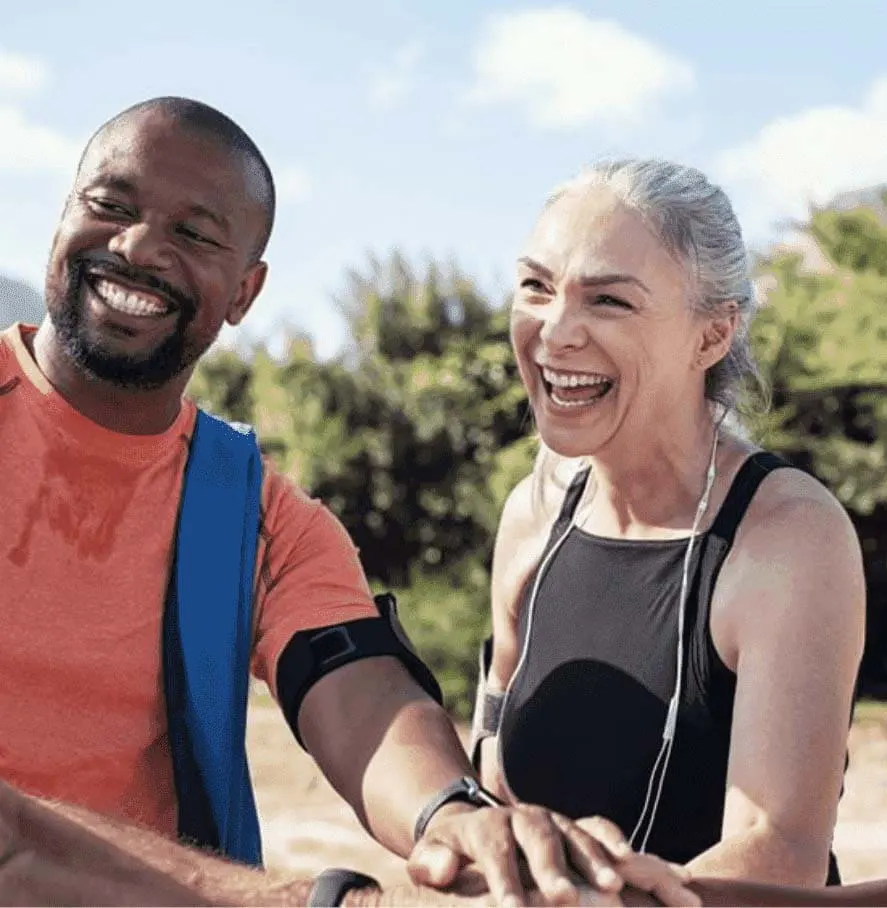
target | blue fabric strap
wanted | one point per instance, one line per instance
(207, 636)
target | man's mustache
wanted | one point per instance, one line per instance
(104, 266)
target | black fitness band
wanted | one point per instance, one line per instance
(331, 886)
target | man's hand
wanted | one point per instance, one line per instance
(556, 854)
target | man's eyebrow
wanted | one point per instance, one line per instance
(201, 211)
(592, 280)
(118, 184)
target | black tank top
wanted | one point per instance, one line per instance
(583, 720)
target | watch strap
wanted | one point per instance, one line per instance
(331, 886)
(466, 789)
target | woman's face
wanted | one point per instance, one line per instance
(601, 326)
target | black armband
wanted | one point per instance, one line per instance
(312, 654)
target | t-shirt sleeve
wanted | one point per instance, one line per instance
(309, 574)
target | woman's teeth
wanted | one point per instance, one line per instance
(576, 389)
(574, 379)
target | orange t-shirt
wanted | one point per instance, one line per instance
(86, 534)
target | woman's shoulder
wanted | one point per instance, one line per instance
(794, 526)
(796, 552)
(791, 498)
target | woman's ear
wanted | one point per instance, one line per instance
(717, 335)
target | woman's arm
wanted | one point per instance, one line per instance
(741, 892)
(789, 617)
(520, 540)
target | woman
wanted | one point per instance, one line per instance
(678, 617)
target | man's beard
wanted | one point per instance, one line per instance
(154, 368)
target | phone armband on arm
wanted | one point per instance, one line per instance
(314, 653)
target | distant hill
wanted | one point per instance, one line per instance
(874, 197)
(19, 302)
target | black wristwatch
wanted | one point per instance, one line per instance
(465, 789)
(331, 886)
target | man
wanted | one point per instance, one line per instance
(159, 244)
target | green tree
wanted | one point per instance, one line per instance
(822, 342)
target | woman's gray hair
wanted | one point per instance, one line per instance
(694, 220)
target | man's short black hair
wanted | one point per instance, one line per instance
(213, 123)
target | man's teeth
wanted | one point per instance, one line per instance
(128, 301)
(573, 379)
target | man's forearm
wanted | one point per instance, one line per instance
(57, 853)
(79, 852)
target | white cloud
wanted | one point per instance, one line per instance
(19, 73)
(390, 84)
(28, 147)
(566, 69)
(811, 156)
(293, 184)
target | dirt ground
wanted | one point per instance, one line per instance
(307, 827)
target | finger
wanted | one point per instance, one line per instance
(470, 883)
(656, 876)
(542, 843)
(594, 897)
(434, 864)
(682, 871)
(588, 858)
(495, 852)
(608, 834)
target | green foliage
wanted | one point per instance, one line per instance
(222, 384)
(822, 342)
(401, 436)
(447, 616)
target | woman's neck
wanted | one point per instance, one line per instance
(652, 490)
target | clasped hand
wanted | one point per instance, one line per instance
(509, 850)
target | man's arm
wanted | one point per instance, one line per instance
(58, 854)
(385, 745)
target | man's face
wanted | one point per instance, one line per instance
(154, 252)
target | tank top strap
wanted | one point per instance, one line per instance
(751, 474)
(572, 497)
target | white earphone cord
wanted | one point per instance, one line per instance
(671, 720)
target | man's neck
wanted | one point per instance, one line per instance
(130, 412)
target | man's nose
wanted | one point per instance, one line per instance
(142, 245)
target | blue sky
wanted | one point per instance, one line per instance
(440, 127)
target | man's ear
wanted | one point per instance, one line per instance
(250, 287)
(717, 335)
